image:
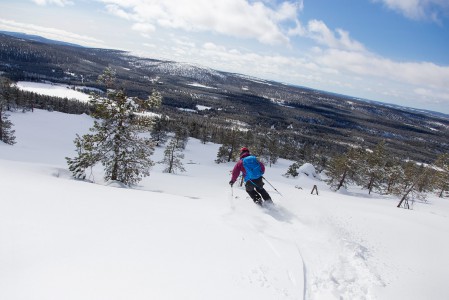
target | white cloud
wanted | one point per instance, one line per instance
(236, 18)
(57, 2)
(50, 33)
(144, 28)
(297, 30)
(368, 64)
(348, 58)
(150, 45)
(417, 9)
(287, 11)
(117, 11)
(184, 42)
(407, 83)
(319, 32)
(435, 96)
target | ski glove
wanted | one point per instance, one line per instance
(231, 183)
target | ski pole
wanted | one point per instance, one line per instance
(272, 186)
(231, 200)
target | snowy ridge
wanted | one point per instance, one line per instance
(190, 236)
(253, 79)
(200, 74)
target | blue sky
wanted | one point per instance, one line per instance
(394, 51)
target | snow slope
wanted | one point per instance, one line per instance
(190, 236)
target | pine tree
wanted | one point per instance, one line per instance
(6, 131)
(410, 173)
(292, 170)
(373, 170)
(272, 140)
(344, 168)
(115, 141)
(159, 130)
(442, 174)
(173, 155)
(425, 183)
(307, 152)
(320, 162)
(229, 149)
(154, 101)
(291, 143)
(8, 94)
(205, 132)
(394, 174)
(182, 137)
(415, 184)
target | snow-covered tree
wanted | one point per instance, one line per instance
(115, 140)
(154, 101)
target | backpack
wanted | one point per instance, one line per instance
(252, 168)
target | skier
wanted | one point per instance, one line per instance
(252, 171)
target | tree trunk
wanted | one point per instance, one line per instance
(342, 181)
(370, 184)
(390, 183)
(1, 124)
(114, 174)
(172, 158)
(230, 153)
(406, 194)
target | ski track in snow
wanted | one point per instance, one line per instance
(260, 222)
(345, 274)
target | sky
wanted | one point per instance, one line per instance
(393, 51)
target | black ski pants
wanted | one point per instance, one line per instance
(255, 190)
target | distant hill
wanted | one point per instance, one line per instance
(37, 38)
(324, 121)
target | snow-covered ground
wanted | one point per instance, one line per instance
(190, 236)
(54, 90)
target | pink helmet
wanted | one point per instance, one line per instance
(244, 149)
